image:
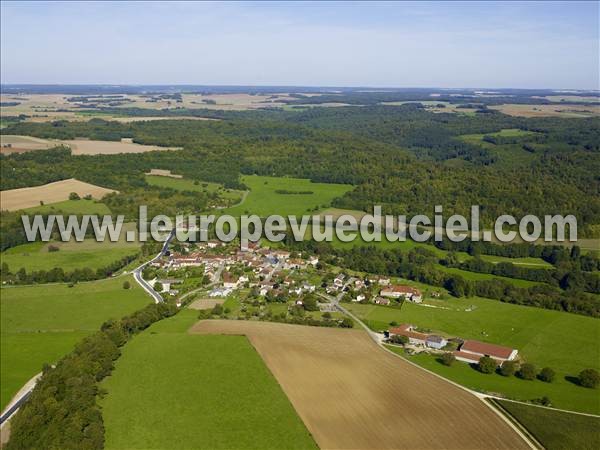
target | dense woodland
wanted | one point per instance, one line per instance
(401, 157)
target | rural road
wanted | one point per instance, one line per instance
(137, 273)
(26, 390)
(377, 338)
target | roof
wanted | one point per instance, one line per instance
(404, 330)
(401, 289)
(435, 338)
(471, 357)
(484, 348)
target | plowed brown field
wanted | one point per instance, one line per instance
(351, 394)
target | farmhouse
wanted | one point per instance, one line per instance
(407, 330)
(230, 281)
(471, 351)
(381, 301)
(406, 292)
(435, 341)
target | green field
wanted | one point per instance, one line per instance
(42, 323)
(71, 207)
(562, 393)
(476, 276)
(263, 200)
(182, 184)
(556, 430)
(71, 255)
(171, 389)
(543, 337)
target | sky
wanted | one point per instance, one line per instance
(390, 44)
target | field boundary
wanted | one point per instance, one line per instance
(495, 404)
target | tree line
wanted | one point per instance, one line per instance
(62, 411)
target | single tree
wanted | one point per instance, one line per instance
(74, 196)
(126, 284)
(399, 339)
(347, 323)
(547, 374)
(447, 359)
(487, 364)
(508, 368)
(589, 378)
(528, 371)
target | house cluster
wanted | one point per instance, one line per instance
(470, 351)
(399, 291)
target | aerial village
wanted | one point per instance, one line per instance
(258, 282)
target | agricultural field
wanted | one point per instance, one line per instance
(78, 207)
(90, 147)
(344, 370)
(182, 184)
(22, 198)
(543, 337)
(42, 323)
(19, 144)
(70, 255)
(559, 110)
(476, 276)
(556, 430)
(214, 391)
(302, 197)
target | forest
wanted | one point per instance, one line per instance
(401, 157)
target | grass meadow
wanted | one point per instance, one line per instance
(556, 430)
(81, 206)
(171, 389)
(563, 394)
(42, 323)
(70, 255)
(264, 200)
(543, 337)
(183, 184)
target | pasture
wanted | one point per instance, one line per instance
(19, 144)
(563, 394)
(559, 110)
(58, 191)
(352, 394)
(171, 389)
(90, 147)
(285, 196)
(184, 184)
(39, 324)
(78, 207)
(556, 430)
(70, 255)
(543, 337)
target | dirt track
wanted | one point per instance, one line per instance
(351, 394)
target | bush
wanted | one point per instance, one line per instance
(447, 359)
(399, 339)
(53, 248)
(589, 378)
(217, 310)
(547, 375)
(126, 285)
(347, 323)
(74, 196)
(527, 371)
(326, 315)
(508, 368)
(487, 365)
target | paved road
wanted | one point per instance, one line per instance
(137, 272)
(137, 275)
